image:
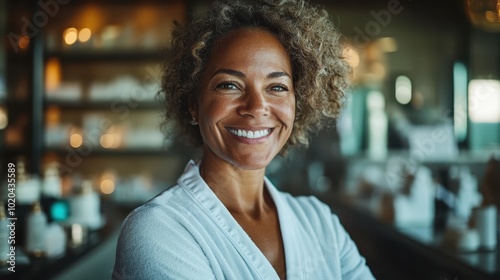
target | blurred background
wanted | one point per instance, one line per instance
(411, 166)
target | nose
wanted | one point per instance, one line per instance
(254, 104)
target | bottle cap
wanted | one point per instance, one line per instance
(51, 170)
(37, 207)
(21, 171)
(86, 187)
(2, 211)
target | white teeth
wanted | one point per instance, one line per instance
(250, 134)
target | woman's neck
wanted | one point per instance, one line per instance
(241, 191)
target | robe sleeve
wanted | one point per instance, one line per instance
(153, 245)
(353, 265)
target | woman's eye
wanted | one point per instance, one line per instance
(227, 86)
(278, 88)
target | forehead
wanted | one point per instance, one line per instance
(249, 45)
(249, 35)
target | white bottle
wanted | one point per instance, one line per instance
(36, 228)
(417, 208)
(85, 208)
(27, 188)
(51, 186)
(486, 225)
(468, 196)
(377, 126)
(56, 240)
(4, 235)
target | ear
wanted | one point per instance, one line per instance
(193, 107)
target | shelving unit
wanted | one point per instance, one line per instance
(128, 35)
(127, 44)
(127, 39)
(149, 152)
(16, 102)
(100, 105)
(120, 55)
(3, 90)
(124, 52)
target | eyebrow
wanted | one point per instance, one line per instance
(240, 74)
(278, 75)
(230, 72)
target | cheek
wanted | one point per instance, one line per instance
(212, 111)
(215, 106)
(286, 111)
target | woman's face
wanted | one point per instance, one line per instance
(246, 99)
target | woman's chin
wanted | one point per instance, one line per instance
(251, 163)
(252, 166)
(244, 159)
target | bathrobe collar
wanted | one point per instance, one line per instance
(195, 186)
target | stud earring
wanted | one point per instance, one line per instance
(193, 121)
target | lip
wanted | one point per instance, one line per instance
(252, 128)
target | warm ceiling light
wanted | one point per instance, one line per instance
(484, 101)
(24, 42)
(84, 35)
(484, 14)
(107, 141)
(107, 186)
(70, 35)
(351, 56)
(403, 90)
(388, 44)
(52, 75)
(3, 119)
(52, 115)
(76, 139)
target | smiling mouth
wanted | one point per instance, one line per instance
(249, 133)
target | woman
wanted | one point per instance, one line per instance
(246, 81)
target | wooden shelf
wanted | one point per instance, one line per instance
(96, 151)
(18, 150)
(125, 56)
(102, 105)
(14, 103)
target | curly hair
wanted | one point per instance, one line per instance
(320, 72)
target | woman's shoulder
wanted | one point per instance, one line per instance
(164, 208)
(157, 238)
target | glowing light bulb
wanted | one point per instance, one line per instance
(84, 35)
(3, 119)
(70, 35)
(24, 42)
(107, 186)
(107, 141)
(352, 57)
(52, 75)
(76, 140)
(403, 90)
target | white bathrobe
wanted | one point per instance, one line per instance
(187, 233)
